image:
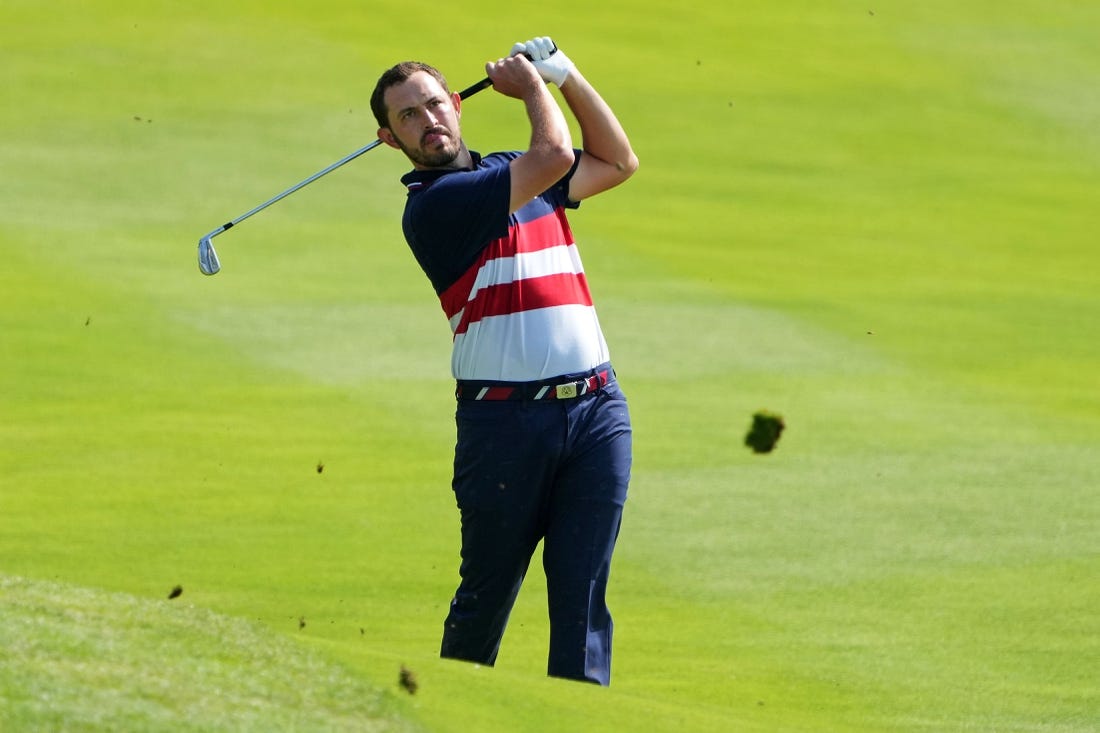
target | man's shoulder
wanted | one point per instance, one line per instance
(502, 157)
(418, 181)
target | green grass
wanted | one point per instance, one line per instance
(79, 659)
(877, 220)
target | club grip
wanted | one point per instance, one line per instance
(487, 82)
(475, 88)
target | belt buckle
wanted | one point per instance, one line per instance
(566, 391)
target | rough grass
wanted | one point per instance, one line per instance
(78, 659)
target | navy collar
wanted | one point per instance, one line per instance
(416, 180)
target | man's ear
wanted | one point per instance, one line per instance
(456, 99)
(385, 134)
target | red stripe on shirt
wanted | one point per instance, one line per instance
(545, 232)
(526, 295)
(454, 298)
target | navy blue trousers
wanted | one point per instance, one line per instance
(526, 471)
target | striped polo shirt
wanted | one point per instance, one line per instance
(512, 286)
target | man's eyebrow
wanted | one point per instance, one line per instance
(427, 100)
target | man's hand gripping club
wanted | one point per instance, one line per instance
(550, 154)
(553, 65)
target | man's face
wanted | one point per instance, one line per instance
(423, 121)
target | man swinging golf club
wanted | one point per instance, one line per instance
(544, 439)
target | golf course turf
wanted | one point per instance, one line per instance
(876, 220)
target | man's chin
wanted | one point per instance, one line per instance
(435, 158)
(441, 159)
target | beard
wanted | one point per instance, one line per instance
(441, 157)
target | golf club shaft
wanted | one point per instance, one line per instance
(295, 187)
(467, 92)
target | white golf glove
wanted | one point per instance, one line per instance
(552, 65)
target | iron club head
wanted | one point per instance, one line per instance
(208, 258)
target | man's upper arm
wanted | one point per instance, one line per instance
(533, 174)
(593, 176)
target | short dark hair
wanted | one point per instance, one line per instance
(393, 76)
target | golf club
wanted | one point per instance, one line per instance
(208, 258)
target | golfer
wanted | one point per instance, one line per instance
(544, 439)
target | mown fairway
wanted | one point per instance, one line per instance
(878, 219)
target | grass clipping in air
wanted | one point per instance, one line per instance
(765, 431)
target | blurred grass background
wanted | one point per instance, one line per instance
(876, 219)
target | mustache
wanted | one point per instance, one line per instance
(434, 131)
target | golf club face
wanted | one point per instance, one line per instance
(208, 258)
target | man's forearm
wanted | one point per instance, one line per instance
(549, 129)
(550, 154)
